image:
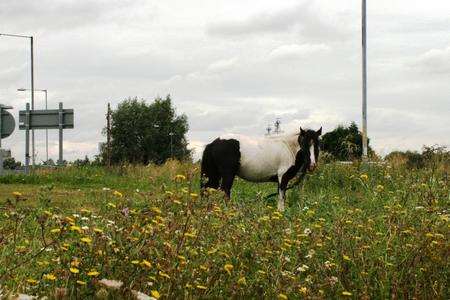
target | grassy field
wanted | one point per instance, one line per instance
(349, 231)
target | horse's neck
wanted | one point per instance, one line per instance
(292, 143)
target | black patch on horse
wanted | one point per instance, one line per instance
(220, 164)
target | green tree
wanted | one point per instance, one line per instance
(144, 133)
(344, 143)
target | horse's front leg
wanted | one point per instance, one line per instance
(281, 197)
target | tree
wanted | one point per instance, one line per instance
(144, 133)
(11, 164)
(344, 143)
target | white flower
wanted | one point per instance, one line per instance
(303, 268)
(113, 284)
(310, 253)
(106, 189)
(307, 231)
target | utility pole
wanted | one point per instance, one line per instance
(268, 129)
(108, 136)
(277, 126)
(364, 81)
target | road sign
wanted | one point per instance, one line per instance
(7, 123)
(46, 119)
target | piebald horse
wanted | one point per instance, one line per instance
(269, 159)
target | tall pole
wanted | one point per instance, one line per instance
(108, 136)
(364, 81)
(46, 131)
(33, 154)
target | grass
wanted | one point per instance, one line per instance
(349, 231)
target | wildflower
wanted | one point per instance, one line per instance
(242, 281)
(75, 228)
(134, 262)
(282, 297)
(98, 230)
(75, 263)
(86, 240)
(345, 257)
(190, 235)
(345, 293)
(156, 210)
(162, 274)
(194, 195)
(80, 282)
(228, 268)
(49, 277)
(364, 177)
(93, 273)
(55, 230)
(113, 284)
(155, 294)
(106, 189)
(111, 205)
(303, 268)
(201, 287)
(180, 177)
(74, 270)
(303, 290)
(307, 231)
(32, 281)
(146, 263)
(380, 188)
(118, 194)
(17, 194)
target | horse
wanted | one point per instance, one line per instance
(268, 159)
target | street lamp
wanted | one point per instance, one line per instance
(46, 130)
(27, 155)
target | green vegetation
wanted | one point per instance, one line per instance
(349, 231)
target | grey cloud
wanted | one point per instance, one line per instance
(302, 19)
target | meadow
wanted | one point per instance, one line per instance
(349, 231)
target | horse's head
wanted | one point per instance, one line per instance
(309, 142)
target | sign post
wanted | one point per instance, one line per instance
(45, 119)
(7, 125)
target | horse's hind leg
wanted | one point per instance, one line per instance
(227, 182)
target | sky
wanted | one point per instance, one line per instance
(232, 66)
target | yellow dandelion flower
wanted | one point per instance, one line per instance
(80, 282)
(86, 240)
(242, 281)
(17, 194)
(228, 268)
(155, 294)
(32, 281)
(98, 230)
(74, 270)
(111, 205)
(146, 263)
(364, 177)
(93, 273)
(75, 228)
(75, 263)
(180, 177)
(201, 287)
(303, 290)
(134, 262)
(49, 277)
(156, 210)
(118, 194)
(55, 230)
(345, 257)
(194, 195)
(345, 293)
(282, 297)
(380, 188)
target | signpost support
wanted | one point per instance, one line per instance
(60, 115)
(7, 125)
(27, 138)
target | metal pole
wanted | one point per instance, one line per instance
(1, 151)
(60, 134)
(364, 83)
(108, 136)
(33, 157)
(46, 131)
(27, 138)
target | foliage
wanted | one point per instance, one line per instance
(344, 143)
(431, 156)
(362, 231)
(147, 133)
(11, 164)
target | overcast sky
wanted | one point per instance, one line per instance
(233, 66)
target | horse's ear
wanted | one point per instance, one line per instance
(319, 132)
(302, 132)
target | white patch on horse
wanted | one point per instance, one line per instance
(263, 158)
(311, 155)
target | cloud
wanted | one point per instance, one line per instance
(434, 61)
(293, 51)
(303, 19)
